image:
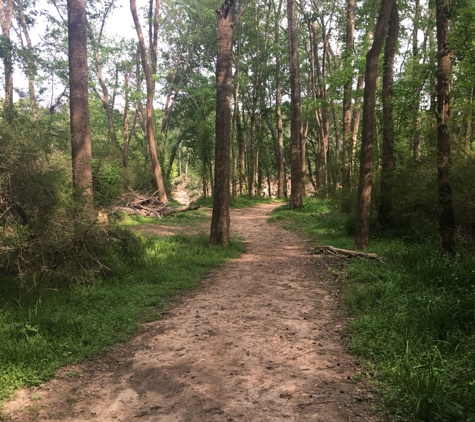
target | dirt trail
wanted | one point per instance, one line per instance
(259, 340)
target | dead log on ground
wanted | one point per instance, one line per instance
(147, 205)
(330, 250)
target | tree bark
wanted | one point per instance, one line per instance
(446, 218)
(31, 65)
(369, 104)
(347, 88)
(220, 220)
(79, 98)
(296, 196)
(150, 129)
(278, 110)
(6, 11)
(388, 159)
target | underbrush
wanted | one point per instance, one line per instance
(44, 329)
(415, 316)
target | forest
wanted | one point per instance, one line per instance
(359, 114)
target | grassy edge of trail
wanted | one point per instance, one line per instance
(413, 315)
(63, 325)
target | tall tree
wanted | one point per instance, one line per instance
(347, 88)
(278, 109)
(96, 42)
(30, 57)
(220, 220)
(296, 196)
(388, 159)
(446, 218)
(150, 126)
(369, 105)
(6, 47)
(79, 97)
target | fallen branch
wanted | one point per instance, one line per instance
(172, 210)
(330, 250)
(133, 203)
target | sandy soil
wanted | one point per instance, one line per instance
(261, 339)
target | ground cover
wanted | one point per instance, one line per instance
(45, 329)
(414, 315)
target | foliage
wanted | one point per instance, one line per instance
(415, 316)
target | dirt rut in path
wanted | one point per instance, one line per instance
(260, 340)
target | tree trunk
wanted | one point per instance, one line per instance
(220, 220)
(278, 112)
(6, 12)
(79, 98)
(388, 159)
(416, 142)
(126, 139)
(296, 196)
(369, 104)
(347, 88)
(446, 218)
(105, 91)
(150, 129)
(31, 65)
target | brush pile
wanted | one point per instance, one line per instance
(148, 205)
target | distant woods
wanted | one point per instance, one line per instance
(334, 99)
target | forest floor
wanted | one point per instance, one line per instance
(261, 339)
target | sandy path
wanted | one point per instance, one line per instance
(259, 340)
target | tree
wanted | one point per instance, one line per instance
(388, 161)
(346, 135)
(6, 47)
(369, 104)
(79, 98)
(150, 126)
(296, 200)
(220, 220)
(446, 218)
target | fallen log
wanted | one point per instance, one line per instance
(172, 210)
(330, 250)
(133, 203)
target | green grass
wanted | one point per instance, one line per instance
(183, 219)
(41, 332)
(415, 315)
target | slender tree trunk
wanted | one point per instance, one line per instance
(388, 159)
(347, 88)
(416, 141)
(369, 105)
(105, 91)
(150, 129)
(220, 220)
(278, 110)
(296, 195)
(126, 139)
(6, 11)
(446, 219)
(31, 65)
(79, 98)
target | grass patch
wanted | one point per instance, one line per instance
(182, 219)
(41, 332)
(415, 315)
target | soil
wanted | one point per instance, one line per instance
(261, 339)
